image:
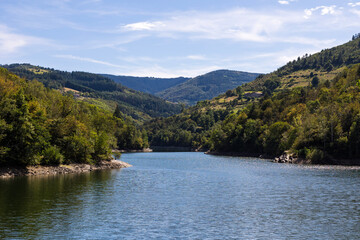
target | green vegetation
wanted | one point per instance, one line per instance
(317, 122)
(187, 90)
(310, 107)
(150, 85)
(325, 65)
(206, 86)
(87, 86)
(42, 126)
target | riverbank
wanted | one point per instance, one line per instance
(238, 154)
(288, 158)
(132, 151)
(6, 172)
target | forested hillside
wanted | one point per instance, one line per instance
(39, 125)
(320, 122)
(315, 117)
(206, 86)
(150, 85)
(94, 88)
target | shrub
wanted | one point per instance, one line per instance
(52, 156)
(316, 156)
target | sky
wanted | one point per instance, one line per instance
(171, 38)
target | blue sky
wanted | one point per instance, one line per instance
(169, 38)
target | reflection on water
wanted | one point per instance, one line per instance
(185, 196)
(30, 205)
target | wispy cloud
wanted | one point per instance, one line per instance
(196, 57)
(238, 24)
(11, 42)
(144, 26)
(85, 59)
(285, 2)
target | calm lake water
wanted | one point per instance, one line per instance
(185, 196)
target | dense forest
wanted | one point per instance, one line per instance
(150, 85)
(39, 125)
(316, 117)
(140, 106)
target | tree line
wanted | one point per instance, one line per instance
(39, 125)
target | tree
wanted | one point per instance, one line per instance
(315, 81)
(118, 113)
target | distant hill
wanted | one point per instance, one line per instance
(99, 90)
(147, 84)
(206, 86)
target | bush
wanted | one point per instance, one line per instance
(52, 156)
(303, 153)
(316, 156)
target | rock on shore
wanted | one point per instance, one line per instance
(62, 169)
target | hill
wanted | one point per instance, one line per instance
(147, 84)
(324, 65)
(309, 107)
(100, 90)
(206, 86)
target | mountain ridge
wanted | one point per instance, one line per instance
(150, 85)
(188, 90)
(206, 86)
(99, 89)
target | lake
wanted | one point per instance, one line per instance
(185, 196)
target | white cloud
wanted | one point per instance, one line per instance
(286, 2)
(354, 4)
(84, 59)
(324, 10)
(196, 57)
(283, 2)
(143, 26)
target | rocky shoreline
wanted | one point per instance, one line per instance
(6, 172)
(288, 158)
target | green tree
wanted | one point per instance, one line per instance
(315, 81)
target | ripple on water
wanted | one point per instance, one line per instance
(185, 196)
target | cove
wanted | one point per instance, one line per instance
(185, 195)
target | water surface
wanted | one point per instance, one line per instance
(185, 196)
